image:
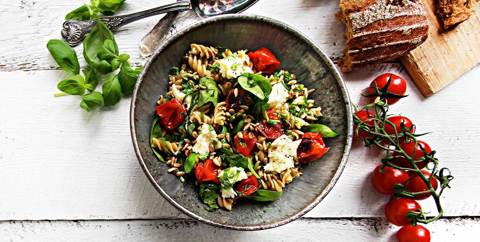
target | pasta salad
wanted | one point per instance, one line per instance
(237, 125)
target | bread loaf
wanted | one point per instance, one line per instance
(452, 12)
(381, 30)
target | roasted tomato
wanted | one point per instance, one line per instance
(311, 148)
(264, 60)
(247, 186)
(397, 210)
(388, 86)
(172, 114)
(272, 114)
(384, 179)
(414, 151)
(416, 184)
(206, 172)
(270, 131)
(236, 98)
(399, 122)
(245, 143)
(365, 116)
(410, 233)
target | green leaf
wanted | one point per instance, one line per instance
(262, 195)
(95, 49)
(73, 85)
(256, 84)
(239, 160)
(210, 94)
(91, 78)
(64, 55)
(91, 101)
(155, 132)
(107, 7)
(84, 12)
(322, 129)
(259, 109)
(112, 91)
(209, 195)
(174, 71)
(190, 162)
(128, 78)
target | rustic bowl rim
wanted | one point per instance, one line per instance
(327, 61)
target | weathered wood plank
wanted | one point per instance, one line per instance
(29, 24)
(188, 230)
(57, 162)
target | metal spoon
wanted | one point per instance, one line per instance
(74, 31)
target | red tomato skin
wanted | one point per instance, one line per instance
(384, 179)
(365, 116)
(206, 172)
(397, 210)
(410, 233)
(397, 86)
(271, 132)
(311, 148)
(171, 113)
(248, 186)
(397, 124)
(264, 60)
(272, 114)
(414, 151)
(245, 145)
(416, 184)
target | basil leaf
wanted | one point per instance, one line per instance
(259, 109)
(322, 129)
(155, 132)
(91, 78)
(262, 195)
(209, 195)
(64, 55)
(91, 101)
(256, 84)
(84, 12)
(190, 162)
(239, 160)
(74, 85)
(128, 78)
(112, 91)
(210, 94)
(107, 7)
(96, 45)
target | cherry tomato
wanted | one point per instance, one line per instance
(264, 60)
(272, 114)
(270, 131)
(384, 179)
(398, 122)
(311, 148)
(414, 151)
(390, 87)
(235, 101)
(410, 233)
(246, 144)
(171, 113)
(247, 186)
(397, 210)
(207, 172)
(365, 116)
(416, 184)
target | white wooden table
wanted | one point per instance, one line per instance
(67, 175)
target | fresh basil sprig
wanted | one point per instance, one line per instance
(92, 10)
(64, 56)
(91, 101)
(256, 84)
(99, 48)
(210, 93)
(209, 194)
(73, 85)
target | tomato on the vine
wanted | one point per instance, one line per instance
(384, 179)
(388, 86)
(397, 210)
(398, 122)
(416, 184)
(410, 233)
(416, 152)
(248, 186)
(246, 144)
(366, 116)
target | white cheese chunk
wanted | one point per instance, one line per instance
(278, 96)
(206, 137)
(234, 65)
(281, 154)
(179, 95)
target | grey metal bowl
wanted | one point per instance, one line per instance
(298, 55)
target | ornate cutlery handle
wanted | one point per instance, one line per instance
(74, 31)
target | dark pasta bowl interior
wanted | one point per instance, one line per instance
(241, 122)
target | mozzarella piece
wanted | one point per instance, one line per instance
(281, 154)
(228, 192)
(228, 177)
(278, 96)
(206, 137)
(179, 95)
(234, 65)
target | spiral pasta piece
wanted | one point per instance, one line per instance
(219, 114)
(207, 52)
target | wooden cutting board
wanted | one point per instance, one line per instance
(444, 56)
